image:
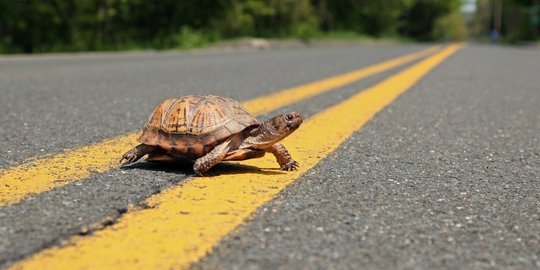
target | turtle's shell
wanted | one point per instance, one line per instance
(192, 126)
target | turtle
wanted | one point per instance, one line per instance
(209, 129)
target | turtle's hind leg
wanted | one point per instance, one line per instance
(136, 153)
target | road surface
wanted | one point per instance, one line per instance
(414, 156)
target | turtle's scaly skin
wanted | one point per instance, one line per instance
(210, 129)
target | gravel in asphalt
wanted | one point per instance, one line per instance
(51, 218)
(445, 177)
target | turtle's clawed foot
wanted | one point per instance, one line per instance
(129, 157)
(201, 174)
(136, 153)
(290, 166)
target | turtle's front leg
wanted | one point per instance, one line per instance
(209, 160)
(283, 157)
(136, 153)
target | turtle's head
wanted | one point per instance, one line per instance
(274, 130)
(285, 124)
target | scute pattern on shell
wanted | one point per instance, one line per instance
(193, 125)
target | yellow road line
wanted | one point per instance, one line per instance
(44, 173)
(184, 222)
(292, 95)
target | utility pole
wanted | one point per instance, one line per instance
(535, 9)
(497, 15)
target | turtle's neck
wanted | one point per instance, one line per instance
(263, 137)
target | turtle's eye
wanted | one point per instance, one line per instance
(289, 117)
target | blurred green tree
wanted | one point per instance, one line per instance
(376, 18)
(450, 28)
(419, 19)
(268, 18)
(71, 25)
(515, 20)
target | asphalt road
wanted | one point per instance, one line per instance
(447, 176)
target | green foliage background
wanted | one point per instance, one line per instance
(518, 20)
(28, 26)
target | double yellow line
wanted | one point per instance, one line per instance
(45, 173)
(184, 222)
